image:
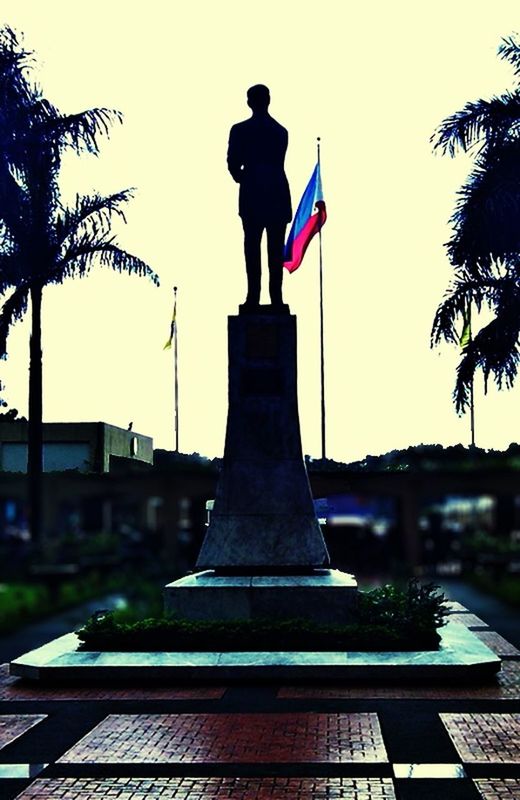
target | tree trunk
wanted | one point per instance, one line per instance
(35, 433)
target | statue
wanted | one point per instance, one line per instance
(255, 158)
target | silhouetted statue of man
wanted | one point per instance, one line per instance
(255, 158)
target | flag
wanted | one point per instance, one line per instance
(173, 325)
(465, 336)
(308, 220)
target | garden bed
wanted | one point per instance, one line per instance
(387, 619)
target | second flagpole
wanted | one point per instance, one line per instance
(472, 388)
(322, 354)
(175, 373)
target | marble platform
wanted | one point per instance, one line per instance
(322, 596)
(461, 656)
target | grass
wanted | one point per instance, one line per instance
(504, 587)
(22, 603)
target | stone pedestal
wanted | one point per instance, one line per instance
(264, 554)
(263, 515)
(326, 596)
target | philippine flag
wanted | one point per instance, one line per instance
(308, 220)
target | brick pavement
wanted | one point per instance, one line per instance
(14, 725)
(498, 644)
(487, 738)
(231, 738)
(329, 743)
(12, 688)
(469, 620)
(206, 788)
(498, 788)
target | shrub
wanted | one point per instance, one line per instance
(389, 618)
(417, 605)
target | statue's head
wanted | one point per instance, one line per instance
(258, 97)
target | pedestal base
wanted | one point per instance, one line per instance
(326, 596)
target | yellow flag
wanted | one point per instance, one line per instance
(465, 336)
(168, 344)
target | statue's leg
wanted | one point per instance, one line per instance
(252, 238)
(275, 245)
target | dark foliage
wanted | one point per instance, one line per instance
(485, 245)
(169, 460)
(438, 458)
(418, 607)
(388, 619)
(41, 241)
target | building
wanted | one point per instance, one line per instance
(81, 446)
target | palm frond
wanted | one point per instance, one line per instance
(82, 131)
(81, 259)
(11, 271)
(483, 122)
(13, 55)
(486, 217)
(91, 215)
(17, 97)
(7, 241)
(16, 64)
(14, 205)
(12, 310)
(462, 291)
(509, 50)
(495, 350)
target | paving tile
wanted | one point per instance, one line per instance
(455, 607)
(469, 620)
(205, 788)
(485, 738)
(14, 725)
(498, 644)
(450, 771)
(12, 688)
(498, 788)
(231, 738)
(21, 771)
(506, 686)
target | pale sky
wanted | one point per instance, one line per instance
(373, 80)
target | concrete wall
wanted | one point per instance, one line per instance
(85, 446)
(127, 444)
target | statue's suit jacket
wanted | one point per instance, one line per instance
(255, 157)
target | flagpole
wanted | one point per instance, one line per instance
(472, 415)
(175, 373)
(322, 359)
(471, 393)
(466, 337)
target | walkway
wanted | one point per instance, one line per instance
(253, 742)
(38, 633)
(498, 615)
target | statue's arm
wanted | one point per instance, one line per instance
(234, 155)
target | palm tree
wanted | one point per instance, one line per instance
(43, 242)
(485, 245)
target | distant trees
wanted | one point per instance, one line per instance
(43, 242)
(429, 458)
(485, 245)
